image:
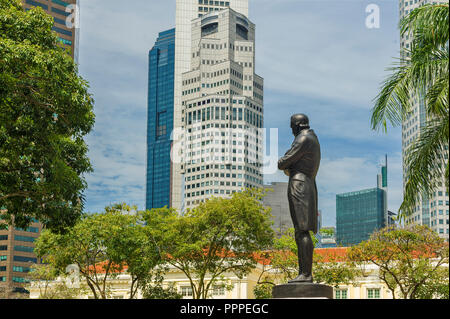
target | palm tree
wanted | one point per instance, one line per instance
(422, 73)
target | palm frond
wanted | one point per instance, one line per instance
(427, 25)
(437, 98)
(427, 65)
(425, 163)
(392, 103)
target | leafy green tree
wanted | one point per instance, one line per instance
(103, 246)
(421, 75)
(218, 236)
(437, 286)
(263, 290)
(411, 261)
(45, 112)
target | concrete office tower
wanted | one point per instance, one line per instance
(222, 116)
(160, 120)
(360, 213)
(65, 17)
(433, 209)
(16, 257)
(186, 11)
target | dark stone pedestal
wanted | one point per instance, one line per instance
(302, 291)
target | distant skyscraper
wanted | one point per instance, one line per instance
(360, 213)
(222, 101)
(433, 209)
(276, 199)
(17, 256)
(65, 17)
(186, 11)
(160, 120)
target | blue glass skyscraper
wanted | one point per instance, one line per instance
(160, 119)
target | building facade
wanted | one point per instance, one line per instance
(276, 199)
(160, 120)
(360, 213)
(17, 256)
(186, 11)
(368, 285)
(65, 13)
(222, 115)
(433, 209)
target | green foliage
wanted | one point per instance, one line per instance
(437, 286)
(423, 75)
(102, 245)
(218, 236)
(410, 261)
(263, 291)
(153, 288)
(45, 111)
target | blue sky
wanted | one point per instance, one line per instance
(317, 57)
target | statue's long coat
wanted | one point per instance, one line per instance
(302, 163)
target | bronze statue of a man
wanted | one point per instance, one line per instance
(301, 164)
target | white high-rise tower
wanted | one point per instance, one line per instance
(432, 211)
(186, 11)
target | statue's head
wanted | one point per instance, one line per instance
(299, 122)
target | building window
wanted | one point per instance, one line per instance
(20, 279)
(24, 238)
(64, 41)
(61, 12)
(341, 294)
(24, 249)
(3, 247)
(218, 291)
(29, 229)
(25, 259)
(61, 3)
(3, 237)
(161, 129)
(21, 269)
(35, 3)
(3, 258)
(186, 291)
(62, 31)
(373, 293)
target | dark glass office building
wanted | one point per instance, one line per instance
(160, 119)
(358, 215)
